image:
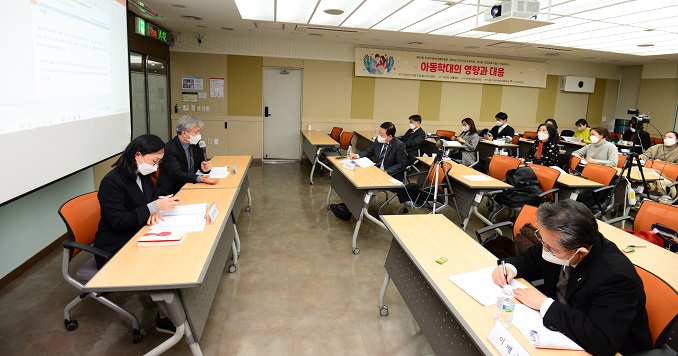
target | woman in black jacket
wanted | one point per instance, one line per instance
(545, 150)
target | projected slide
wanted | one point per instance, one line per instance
(64, 93)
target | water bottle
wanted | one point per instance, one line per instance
(496, 150)
(308, 127)
(349, 151)
(505, 307)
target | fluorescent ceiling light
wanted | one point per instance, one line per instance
(626, 8)
(451, 15)
(322, 18)
(607, 34)
(256, 9)
(566, 31)
(578, 6)
(643, 18)
(373, 11)
(411, 13)
(294, 11)
(486, 3)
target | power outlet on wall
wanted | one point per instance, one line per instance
(209, 141)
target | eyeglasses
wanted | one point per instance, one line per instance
(155, 163)
(547, 247)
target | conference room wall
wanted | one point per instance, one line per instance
(660, 97)
(31, 223)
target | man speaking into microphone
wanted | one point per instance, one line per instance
(184, 158)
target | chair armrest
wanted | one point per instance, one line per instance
(619, 219)
(602, 189)
(88, 248)
(485, 229)
(543, 194)
(416, 174)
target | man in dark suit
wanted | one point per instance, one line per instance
(183, 158)
(501, 129)
(591, 293)
(388, 152)
(414, 137)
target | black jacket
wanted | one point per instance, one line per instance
(395, 160)
(174, 170)
(507, 131)
(412, 141)
(549, 154)
(605, 311)
(123, 210)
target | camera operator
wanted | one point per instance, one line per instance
(636, 135)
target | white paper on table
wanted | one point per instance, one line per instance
(363, 162)
(479, 285)
(570, 139)
(188, 223)
(447, 143)
(477, 177)
(188, 209)
(531, 324)
(219, 172)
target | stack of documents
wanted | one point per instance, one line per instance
(360, 162)
(479, 285)
(163, 238)
(216, 172)
(531, 324)
(186, 218)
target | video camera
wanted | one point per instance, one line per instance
(640, 118)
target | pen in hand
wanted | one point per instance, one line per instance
(503, 266)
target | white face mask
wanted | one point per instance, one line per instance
(499, 123)
(381, 139)
(669, 141)
(412, 127)
(465, 128)
(145, 168)
(594, 139)
(542, 136)
(547, 256)
(633, 130)
(193, 140)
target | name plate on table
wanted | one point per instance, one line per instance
(212, 213)
(348, 164)
(504, 342)
(235, 168)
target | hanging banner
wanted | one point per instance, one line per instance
(383, 63)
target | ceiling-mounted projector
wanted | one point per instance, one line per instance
(521, 9)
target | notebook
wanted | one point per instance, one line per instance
(161, 238)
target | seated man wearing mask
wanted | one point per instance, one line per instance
(388, 152)
(414, 137)
(591, 293)
(667, 152)
(183, 158)
(502, 129)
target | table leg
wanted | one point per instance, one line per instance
(329, 193)
(249, 200)
(171, 304)
(315, 160)
(383, 309)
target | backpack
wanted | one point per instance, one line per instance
(341, 211)
(526, 189)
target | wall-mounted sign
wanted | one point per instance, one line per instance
(148, 29)
(384, 63)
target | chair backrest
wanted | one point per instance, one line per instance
(530, 134)
(154, 176)
(336, 133)
(574, 161)
(81, 216)
(445, 133)
(568, 133)
(656, 140)
(499, 165)
(615, 136)
(527, 215)
(668, 170)
(443, 169)
(651, 212)
(345, 139)
(661, 304)
(598, 173)
(547, 177)
(621, 159)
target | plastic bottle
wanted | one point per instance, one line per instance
(349, 151)
(309, 126)
(496, 150)
(505, 307)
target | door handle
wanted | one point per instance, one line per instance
(266, 114)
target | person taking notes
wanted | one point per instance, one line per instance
(183, 158)
(591, 293)
(388, 153)
(502, 129)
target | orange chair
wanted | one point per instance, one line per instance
(547, 180)
(530, 135)
(428, 189)
(615, 136)
(656, 140)
(668, 170)
(445, 133)
(651, 212)
(661, 304)
(621, 159)
(81, 216)
(345, 139)
(526, 215)
(335, 133)
(605, 176)
(499, 165)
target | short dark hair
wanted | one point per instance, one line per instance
(572, 220)
(389, 127)
(673, 132)
(501, 116)
(602, 132)
(416, 118)
(553, 122)
(553, 133)
(143, 144)
(469, 121)
(581, 122)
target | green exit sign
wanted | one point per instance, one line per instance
(144, 28)
(140, 26)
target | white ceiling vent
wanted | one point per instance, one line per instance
(329, 31)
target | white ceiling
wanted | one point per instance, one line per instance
(600, 31)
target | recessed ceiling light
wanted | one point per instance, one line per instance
(190, 17)
(179, 6)
(315, 34)
(415, 43)
(227, 28)
(334, 11)
(645, 45)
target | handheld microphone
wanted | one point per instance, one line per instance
(203, 147)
